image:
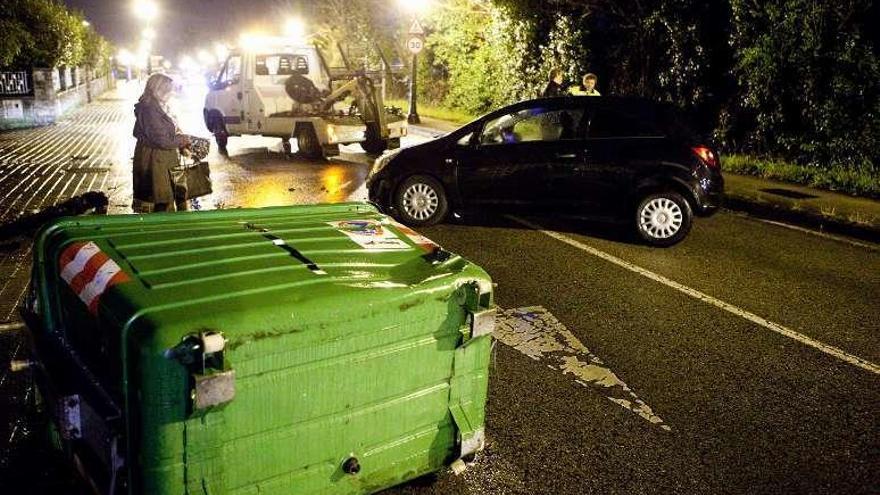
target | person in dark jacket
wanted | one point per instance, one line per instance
(555, 87)
(157, 151)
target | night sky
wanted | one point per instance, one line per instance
(185, 25)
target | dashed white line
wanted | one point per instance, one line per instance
(769, 325)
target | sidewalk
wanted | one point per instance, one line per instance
(808, 207)
(814, 208)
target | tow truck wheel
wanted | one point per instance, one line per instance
(308, 144)
(214, 122)
(222, 139)
(375, 147)
(374, 144)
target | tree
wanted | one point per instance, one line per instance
(360, 27)
(809, 81)
(14, 36)
(44, 33)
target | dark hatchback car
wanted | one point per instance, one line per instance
(602, 157)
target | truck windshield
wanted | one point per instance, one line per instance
(281, 64)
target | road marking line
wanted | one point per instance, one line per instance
(872, 247)
(769, 325)
(536, 333)
(11, 327)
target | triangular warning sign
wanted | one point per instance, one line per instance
(416, 28)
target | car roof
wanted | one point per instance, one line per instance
(664, 114)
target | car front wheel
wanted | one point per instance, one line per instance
(663, 219)
(420, 200)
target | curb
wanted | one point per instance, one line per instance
(802, 218)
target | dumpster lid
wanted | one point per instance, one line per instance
(226, 252)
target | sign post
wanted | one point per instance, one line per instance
(415, 44)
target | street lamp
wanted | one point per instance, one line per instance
(415, 43)
(148, 33)
(295, 29)
(145, 10)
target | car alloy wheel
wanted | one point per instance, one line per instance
(420, 201)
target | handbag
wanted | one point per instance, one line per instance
(192, 180)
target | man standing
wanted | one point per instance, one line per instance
(554, 86)
(588, 88)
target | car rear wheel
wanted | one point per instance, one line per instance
(663, 219)
(420, 200)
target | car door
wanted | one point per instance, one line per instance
(567, 154)
(618, 149)
(226, 94)
(507, 160)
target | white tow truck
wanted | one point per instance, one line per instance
(282, 89)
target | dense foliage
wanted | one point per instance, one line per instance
(796, 79)
(809, 82)
(43, 33)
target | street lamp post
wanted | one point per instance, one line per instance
(415, 45)
(413, 117)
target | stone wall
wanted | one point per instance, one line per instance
(53, 92)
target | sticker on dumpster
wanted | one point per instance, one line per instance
(89, 272)
(421, 241)
(370, 234)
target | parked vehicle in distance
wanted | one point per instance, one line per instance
(606, 157)
(277, 87)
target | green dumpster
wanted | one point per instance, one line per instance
(290, 350)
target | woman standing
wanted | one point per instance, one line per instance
(157, 151)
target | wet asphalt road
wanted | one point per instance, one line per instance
(749, 410)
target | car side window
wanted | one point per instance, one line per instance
(533, 124)
(608, 123)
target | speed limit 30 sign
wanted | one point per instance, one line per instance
(415, 45)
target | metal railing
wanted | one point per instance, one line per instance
(16, 83)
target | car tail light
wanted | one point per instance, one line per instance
(706, 155)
